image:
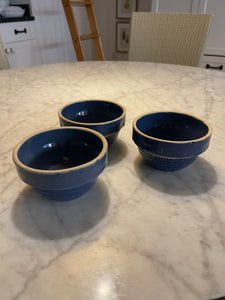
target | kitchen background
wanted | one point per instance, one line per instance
(47, 38)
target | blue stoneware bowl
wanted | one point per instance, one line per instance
(61, 163)
(106, 117)
(170, 141)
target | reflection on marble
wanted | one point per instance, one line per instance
(138, 233)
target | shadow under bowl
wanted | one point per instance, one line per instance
(61, 163)
(170, 141)
(104, 116)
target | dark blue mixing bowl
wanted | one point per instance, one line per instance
(170, 141)
(61, 163)
(104, 116)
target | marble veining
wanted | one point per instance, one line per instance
(138, 233)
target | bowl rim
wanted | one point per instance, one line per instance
(60, 171)
(96, 123)
(209, 133)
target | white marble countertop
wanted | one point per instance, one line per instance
(138, 233)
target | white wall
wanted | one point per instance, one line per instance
(52, 33)
(105, 11)
(83, 29)
(53, 39)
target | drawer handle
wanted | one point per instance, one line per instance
(20, 31)
(215, 68)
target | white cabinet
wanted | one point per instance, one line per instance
(20, 45)
(213, 62)
(214, 52)
(42, 41)
(215, 46)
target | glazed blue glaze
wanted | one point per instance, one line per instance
(62, 163)
(105, 117)
(170, 141)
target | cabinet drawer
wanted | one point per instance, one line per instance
(213, 63)
(15, 32)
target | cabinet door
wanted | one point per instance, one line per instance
(174, 5)
(22, 54)
(215, 42)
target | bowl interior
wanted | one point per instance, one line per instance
(172, 126)
(92, 111)
(60, 149)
